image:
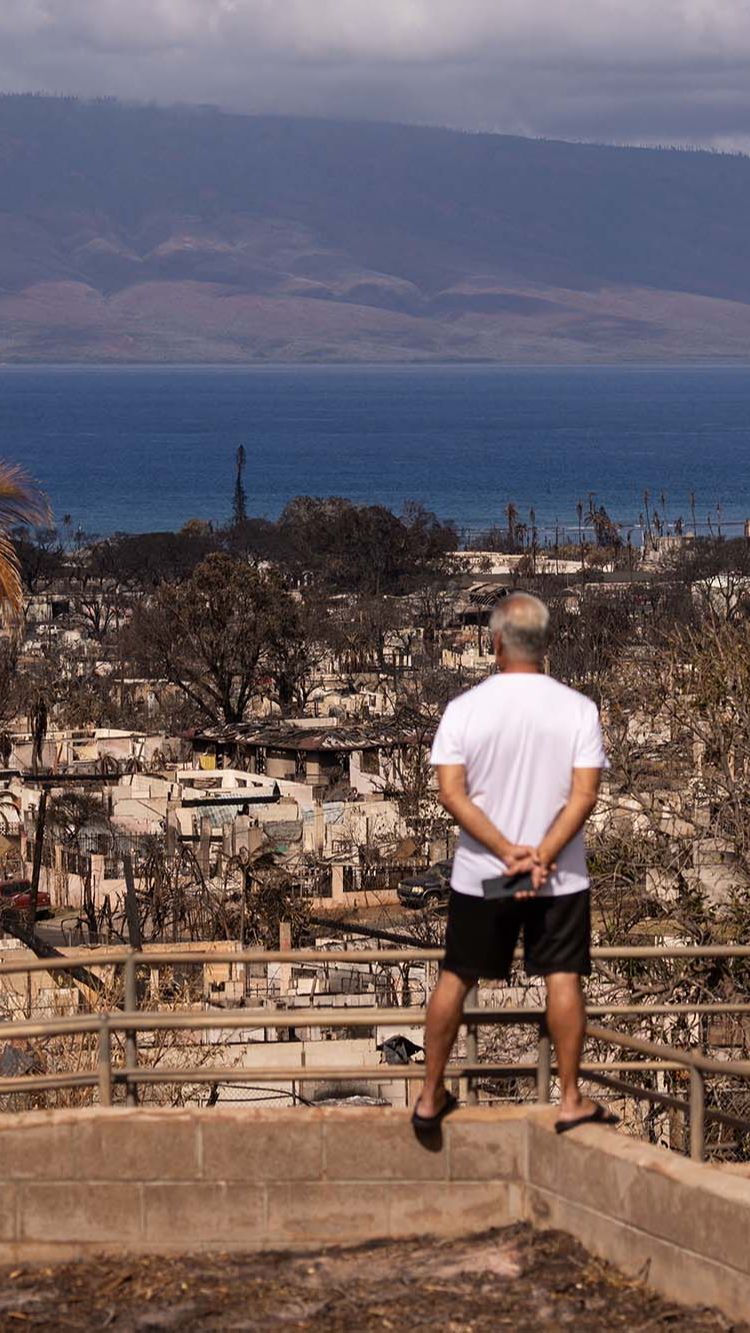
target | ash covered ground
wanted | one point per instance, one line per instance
(514, 1278)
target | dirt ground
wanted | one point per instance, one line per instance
(515, 1278)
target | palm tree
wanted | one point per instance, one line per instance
(21, 504)
(646, 499)
(511, 513)
(239, 517)
(579, 513)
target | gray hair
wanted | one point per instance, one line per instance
(522, 621)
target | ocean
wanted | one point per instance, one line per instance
(137, 449)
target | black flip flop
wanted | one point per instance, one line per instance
(599, 1116)
(422, 1124)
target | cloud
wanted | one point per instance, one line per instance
(676, 70)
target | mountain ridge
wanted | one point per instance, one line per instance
(133, 233)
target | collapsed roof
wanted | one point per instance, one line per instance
(279, 734)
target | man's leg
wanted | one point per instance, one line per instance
(566, 1020)
(566, 1023)
(444, 1014)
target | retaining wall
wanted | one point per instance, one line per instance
(78, 1182)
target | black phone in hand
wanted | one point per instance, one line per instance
(507, 886)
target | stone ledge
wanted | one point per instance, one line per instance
(684, 1276)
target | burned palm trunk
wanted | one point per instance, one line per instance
(131, 905)
(41, 817)
(89, 908)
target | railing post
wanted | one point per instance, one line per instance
(544, 1063)
(131, 1044)
(472, 1048)
(104, 1063)
(697, 1115)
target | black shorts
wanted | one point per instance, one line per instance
(482, 935)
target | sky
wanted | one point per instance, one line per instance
(618, 71)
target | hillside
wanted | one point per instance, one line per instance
(141, 234)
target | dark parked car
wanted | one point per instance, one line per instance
(15, 896)
(430, 888)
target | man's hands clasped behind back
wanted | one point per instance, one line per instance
(521, 860)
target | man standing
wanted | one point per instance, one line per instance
(519, 761)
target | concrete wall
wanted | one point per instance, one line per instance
(683, 1227)
(77, 1182)
(168, 1180)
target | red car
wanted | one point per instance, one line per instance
(15, 896)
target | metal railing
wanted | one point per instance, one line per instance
(131, 1020)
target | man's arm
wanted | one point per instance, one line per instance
(455, 799)
(584, 793)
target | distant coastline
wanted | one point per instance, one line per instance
(623, 364)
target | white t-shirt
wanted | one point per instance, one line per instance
(519, 735)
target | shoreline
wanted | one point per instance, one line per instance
(407, 367)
